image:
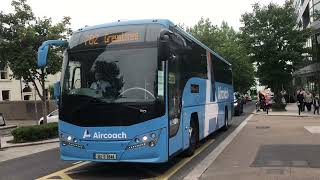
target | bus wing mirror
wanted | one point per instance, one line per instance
(42, 55)
(44, 49)
(165, 35)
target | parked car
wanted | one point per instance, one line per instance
(237, 104)
(51, 117)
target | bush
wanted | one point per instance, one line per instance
(35, 133)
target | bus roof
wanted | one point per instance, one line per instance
(165, 22)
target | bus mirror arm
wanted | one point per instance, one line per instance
(44, 49)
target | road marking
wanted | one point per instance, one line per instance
(205, 163)
(313, 129)
(62, 173)
(183, 162)
(76, 162)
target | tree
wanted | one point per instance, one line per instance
(225, 41)
(23, 33)
(274, 43)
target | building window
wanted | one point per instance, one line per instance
(3, 72)
(6, 95)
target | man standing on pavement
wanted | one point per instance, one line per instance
(300, 99)
(316, 103)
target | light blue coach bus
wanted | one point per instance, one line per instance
(138, 91)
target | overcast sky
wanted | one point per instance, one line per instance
(92, 12)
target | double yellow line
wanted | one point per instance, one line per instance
(63, 173)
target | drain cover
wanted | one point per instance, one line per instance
(275, 171)
(262, 127)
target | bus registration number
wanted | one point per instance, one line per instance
(109, 156)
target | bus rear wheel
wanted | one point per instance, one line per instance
(193, 138)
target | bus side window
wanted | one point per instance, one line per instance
(213, 84)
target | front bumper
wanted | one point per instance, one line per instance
(85, 150)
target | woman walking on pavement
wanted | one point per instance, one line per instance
(316, 103)
(308, 100)
(300, 100)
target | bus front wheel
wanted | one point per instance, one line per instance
(193, 138)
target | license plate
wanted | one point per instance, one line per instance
(106, 156)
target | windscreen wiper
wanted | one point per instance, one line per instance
(132, 107)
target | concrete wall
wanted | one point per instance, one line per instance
(24, 110)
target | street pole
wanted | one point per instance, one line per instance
(21, 89)
(35, 106)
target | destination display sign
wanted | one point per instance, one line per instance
(121, 37)
(114, 35)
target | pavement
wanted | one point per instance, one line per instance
(11, 150)
(291, 110)
(21, 122)
(271, 147)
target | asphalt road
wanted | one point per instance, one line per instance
(47, 164)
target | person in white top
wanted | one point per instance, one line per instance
(308, 100)
(100, 84)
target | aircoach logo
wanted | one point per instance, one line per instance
(86, 134)
(99, 135)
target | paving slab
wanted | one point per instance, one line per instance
(16, 152)
(283, 149)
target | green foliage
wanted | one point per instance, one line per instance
(274, 43)
(35, 133)
(225, 41)
(22, 33)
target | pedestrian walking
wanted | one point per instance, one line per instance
(308, 100)
(316, 103)
(300, 100)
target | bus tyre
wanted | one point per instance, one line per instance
(226, 120)
(193, 139)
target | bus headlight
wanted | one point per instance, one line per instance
(150, 139)
(153, 135)
(145, 138)
(69, 140)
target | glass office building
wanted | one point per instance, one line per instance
(308, 16)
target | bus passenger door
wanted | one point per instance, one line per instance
(174, 106)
